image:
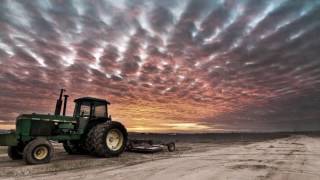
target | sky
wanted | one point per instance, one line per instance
(166, 66)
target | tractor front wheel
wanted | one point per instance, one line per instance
(38, 151)
(15, 152)
(109, 139)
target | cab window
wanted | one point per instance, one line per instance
(100, 111)
(84, 110)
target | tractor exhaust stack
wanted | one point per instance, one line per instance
(59, 104)
(65, 104)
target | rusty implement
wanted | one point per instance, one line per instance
(149, 146)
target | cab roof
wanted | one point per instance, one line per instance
(91, 99)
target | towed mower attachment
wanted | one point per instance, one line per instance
(148, 146)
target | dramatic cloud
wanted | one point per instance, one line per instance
(169, 65)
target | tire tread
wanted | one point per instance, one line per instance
(99, 136)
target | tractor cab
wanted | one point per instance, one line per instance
(89, 110)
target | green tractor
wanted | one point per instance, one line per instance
(89, 131)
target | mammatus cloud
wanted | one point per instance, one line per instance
(167, 65)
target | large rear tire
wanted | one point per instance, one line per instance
(38, 151)
(73, 147)
(109, 139)
(15, 152)
(89, 145)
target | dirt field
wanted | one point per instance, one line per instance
(294, 157)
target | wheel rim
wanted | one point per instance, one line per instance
(40, 152)
(114, 139)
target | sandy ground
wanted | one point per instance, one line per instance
(294, 158)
